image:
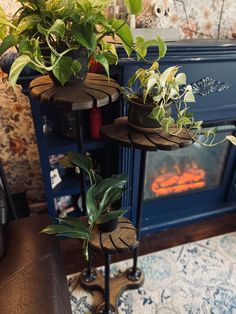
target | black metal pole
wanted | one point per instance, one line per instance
(136, 272)
(107, 283)
(79, 132)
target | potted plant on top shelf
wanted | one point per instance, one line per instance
(102, 203)
(61, 36)
(159, 101)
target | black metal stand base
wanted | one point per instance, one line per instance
(118, 285)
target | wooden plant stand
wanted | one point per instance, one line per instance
(122, 239)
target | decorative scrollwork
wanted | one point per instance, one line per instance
(208, 85)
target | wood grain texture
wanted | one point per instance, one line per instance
(123, 134)
(97, 90)
(122, 239)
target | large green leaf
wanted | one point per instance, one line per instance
(62, 229)
(82, 161)
(62, 69)
(75, 223)
(111, 215)
(8, 42)
(17, 67)
(85, 35)
(122, 30)
(134, 6)
(28, 23)
(91, 205)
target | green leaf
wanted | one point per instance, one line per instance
(110, 196)
(42, 30)
(105, 184)
(62, 229)
(111, 215)
(231, 138)
(91, 205)
(189, 97)
(28, 23)
(85, 35)
(75, 223)
(75, 67)
(162, 47)
(4, 22)
(101, 58)
(8, 42)
(122, 30)
(62, 69)
(180, 79)
(65, 162)
(17, 67)
(58, 28)
(82, 161)
(134, 6)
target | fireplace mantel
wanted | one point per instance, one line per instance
(210, 67)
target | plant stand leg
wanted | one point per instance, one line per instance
(135, 273)
(79, 132)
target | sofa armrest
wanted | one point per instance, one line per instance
(32, 278)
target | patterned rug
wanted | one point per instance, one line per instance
(194, 278)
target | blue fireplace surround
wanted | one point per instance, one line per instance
(211, 65)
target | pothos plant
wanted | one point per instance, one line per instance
(47, 32)
(164, 90)
(100, 198)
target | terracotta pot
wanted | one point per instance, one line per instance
(138, 117)
(108, 226)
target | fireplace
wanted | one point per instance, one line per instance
(183, 185)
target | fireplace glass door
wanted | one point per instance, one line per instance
(186, 170)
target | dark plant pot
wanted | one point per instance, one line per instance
(138, 117)
(108, 226)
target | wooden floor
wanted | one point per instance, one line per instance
(71, 248)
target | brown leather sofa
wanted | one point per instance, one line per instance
(32, 278)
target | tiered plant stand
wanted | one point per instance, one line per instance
(121, 240)
(121, 133)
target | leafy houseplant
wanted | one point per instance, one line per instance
(51, 36)
(161, 103)
(101, 198)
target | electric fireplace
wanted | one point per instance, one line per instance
(193, 183)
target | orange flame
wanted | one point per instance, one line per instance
(178, 180)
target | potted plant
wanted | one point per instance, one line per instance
(160, 102)
(59, 37)
(101, 203)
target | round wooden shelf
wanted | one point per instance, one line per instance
(121, 133)
(122, 239)
(97, 90)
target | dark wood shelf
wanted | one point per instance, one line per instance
(70, 185)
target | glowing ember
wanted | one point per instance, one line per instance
(178, 180)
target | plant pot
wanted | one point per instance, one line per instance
(108, 226)
(138, 117)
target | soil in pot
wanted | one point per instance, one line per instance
(138, 117)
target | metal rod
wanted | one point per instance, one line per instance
(107, 282)
(79, 131)
(139, 206)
